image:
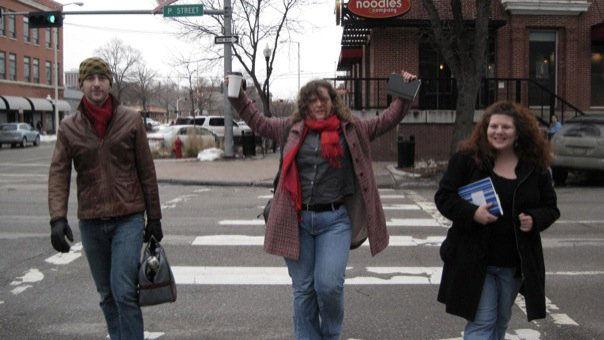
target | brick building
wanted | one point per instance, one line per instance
(26, 66)
(546, 54)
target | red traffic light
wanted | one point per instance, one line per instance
(45, 19)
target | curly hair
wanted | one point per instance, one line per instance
(311, 89)
(531, 144)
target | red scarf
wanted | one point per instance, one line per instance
(331, 150)
(99, 115)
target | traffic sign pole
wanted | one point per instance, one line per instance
(228, 113)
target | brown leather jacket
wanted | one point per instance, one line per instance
(115, 175)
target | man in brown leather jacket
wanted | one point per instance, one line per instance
(116, 184)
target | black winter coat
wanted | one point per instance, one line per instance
(464, 251)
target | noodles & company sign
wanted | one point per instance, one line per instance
(378, 9)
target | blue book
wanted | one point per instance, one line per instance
(480, 193)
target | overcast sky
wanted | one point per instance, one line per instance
(155, 37)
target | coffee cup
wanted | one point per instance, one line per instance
(235, 79)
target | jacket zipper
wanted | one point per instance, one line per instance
(514, 223)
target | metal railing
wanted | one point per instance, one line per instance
(441, 94)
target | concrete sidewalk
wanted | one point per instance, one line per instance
(260, 171)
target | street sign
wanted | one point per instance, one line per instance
(228, 39)
(183, 10)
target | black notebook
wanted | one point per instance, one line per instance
(398, 87)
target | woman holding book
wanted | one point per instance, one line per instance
(489, 257)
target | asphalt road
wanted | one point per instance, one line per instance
(228, 288)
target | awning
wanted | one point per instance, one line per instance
(17, 103)
(41, 104)
(2, 104)
(349, 56)
(63, 106)
(597, 32)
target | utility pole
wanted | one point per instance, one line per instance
(228, 114)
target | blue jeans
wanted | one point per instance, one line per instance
(318, 275)
(495, 308)
(113, 249)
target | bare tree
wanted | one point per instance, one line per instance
(166, 94)
(208, 93)
(464, 48)
(257, 23)
(144, 85)
(188, 68)
(122, 60)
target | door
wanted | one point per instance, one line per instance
(542, 67)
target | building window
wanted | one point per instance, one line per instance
(2, 65)
(438, 87)
(25, 29)
(2, 22)
(48, 69)
(12, 66)
(35, 36)
(36, 71)
(11, 26)
(47, 40)
(26, 69)
(60, 77)
(597, 73)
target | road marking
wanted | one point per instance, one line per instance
(242, 222)
(392, 196)
(385, 190)
(188, 275)
(579, 222)
(153, 335)
(412, 222)
(401, 207)
(1, 302)
(31, 276)
(202, 190)
(245, 240)
(558, 318)
(429, 207)
(597, 272)
(518, 334)
(27, 165)
(20, 289)
(66, 258)
(15, 236)
(23, 175)
(265, 197)
(176, 201)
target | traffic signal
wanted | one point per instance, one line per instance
(45, 19)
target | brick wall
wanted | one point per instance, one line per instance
(22, 49)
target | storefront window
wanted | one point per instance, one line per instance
(542, 66)
(439, 88)
(597, 73)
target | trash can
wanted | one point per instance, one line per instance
(406, 152)
(248, 142)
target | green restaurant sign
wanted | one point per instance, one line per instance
(183, 10)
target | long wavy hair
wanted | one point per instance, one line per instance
(530, 146)
(311, 89)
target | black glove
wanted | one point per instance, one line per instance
(59, 229)
(153, 229)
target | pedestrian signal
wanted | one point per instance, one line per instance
(45, 19)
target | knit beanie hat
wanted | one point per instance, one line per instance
(92, 66)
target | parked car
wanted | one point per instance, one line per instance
(151, 123)
(578, 145)
(18, 133)
(216, 125)
(164, 136)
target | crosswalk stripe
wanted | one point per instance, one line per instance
(189, 275)
(413, 222)
(393, 222)
(401, 207)
(246, 240)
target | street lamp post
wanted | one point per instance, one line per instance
(56, 68)
(267, 54)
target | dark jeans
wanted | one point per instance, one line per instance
(113, 249)
(318, 275)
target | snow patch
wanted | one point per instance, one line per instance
(210, 154)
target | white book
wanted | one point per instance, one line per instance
(480, 193)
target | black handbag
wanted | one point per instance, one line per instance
(156, 283)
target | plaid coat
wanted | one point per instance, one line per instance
(364, 206)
